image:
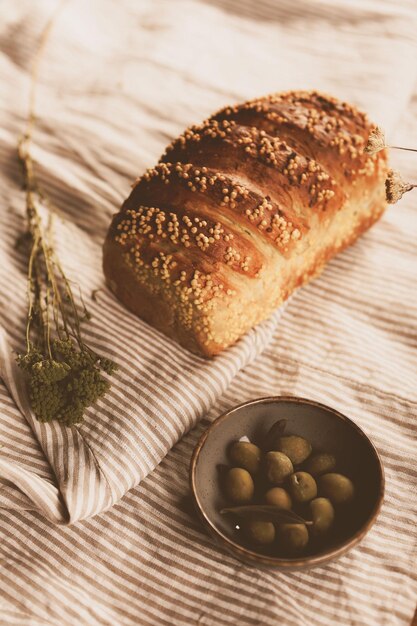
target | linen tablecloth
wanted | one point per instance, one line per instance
(119, 79)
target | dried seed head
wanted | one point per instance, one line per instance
(376, 141)
(395, 187)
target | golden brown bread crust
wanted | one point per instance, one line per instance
(239, 212)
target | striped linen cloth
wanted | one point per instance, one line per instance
(119, 79)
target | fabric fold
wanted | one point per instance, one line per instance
(96, 131)
(91, 474)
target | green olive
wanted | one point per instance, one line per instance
(296, 448)
(320, 463)
(259, 531)
(239, 485)
(278, 467)
(293, 538)
(277, 496)
(247, 455)
(302, 487)
(338, 488)
(322, 514)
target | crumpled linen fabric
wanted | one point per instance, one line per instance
(118, 81)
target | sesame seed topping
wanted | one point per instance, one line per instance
(288, 146)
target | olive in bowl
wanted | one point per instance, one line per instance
(315, 516)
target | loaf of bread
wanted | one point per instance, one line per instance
(240, 211)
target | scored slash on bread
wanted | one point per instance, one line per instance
(239, 212)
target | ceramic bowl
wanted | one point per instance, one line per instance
(327, 430)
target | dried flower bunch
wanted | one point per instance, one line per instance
(395, 186)
(65, 376)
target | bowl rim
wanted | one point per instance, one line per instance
(279, 562)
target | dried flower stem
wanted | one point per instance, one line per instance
(401, 148)
(64, 373)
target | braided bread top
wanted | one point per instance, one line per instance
(231, 195)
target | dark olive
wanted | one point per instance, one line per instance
(259, 532)
(277, 496)
(293, 538)
(239, 485)
(296, 448)
(322, 515)
(278, 467)
(338, 488)
(247, 455)
(320, 463)
(302, 487)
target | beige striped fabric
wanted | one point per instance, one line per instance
(119, 79)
